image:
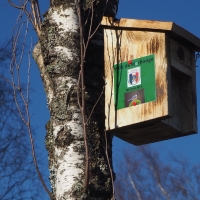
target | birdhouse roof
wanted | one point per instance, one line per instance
(173, 29)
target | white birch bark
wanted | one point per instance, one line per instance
(67, 160)
(58, 57)
(66, 164)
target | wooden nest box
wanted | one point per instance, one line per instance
(150, 74)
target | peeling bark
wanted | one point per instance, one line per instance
(58, 57)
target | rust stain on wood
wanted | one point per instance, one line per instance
(153, 45)
(167, 116)
(121, 46)
(149, 25)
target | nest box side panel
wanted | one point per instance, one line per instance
(120, 46)
(194, 95)
(183, 81)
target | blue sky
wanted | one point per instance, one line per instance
(184, 13)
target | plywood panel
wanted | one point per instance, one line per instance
(194, 95)
(124, 45)
(183, 89)
(175, 121)
(181, 54)
(148, 25)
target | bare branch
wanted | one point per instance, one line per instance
(10, 82)
(152, 160)
(78, 5)
(154, 178)
(95, 104)
(90, 35)
(17, 90)
(110, 168)
(78, 90)
(15, 6)
(134, 186)
(34, 15)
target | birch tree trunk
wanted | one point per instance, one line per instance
(58, 57)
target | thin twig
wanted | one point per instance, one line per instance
(78, 4)
(95, 104)
(78, 87)
(14, 5)
(28, 73)
(15, 76)
(34, 16)
(90, 29)
(38, 13)
(111, 172)
(10, 82)
(90, 35)
(83, 48)
(134, 187)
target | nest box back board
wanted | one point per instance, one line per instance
(150, 75)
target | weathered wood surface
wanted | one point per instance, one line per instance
(149, 25)
(136, 23)
(183, 76)
(174, 112)
(194, 95)
(180, 53)
(121, 46)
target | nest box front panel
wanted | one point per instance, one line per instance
(137, 77)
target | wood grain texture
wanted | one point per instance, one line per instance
(194, 94)
(153, 25)
(120, 46)
(174, 112)
(181, 54)
(136, 23)
(183, 84)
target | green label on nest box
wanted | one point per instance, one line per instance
(134, 82)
